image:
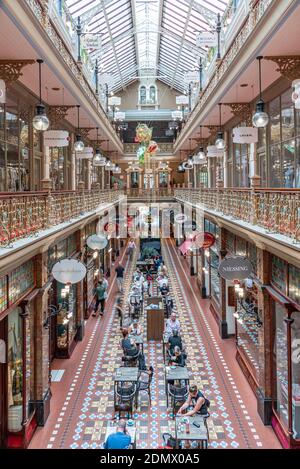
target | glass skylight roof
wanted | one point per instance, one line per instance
(157, 37)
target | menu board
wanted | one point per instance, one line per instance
(20, 280)
(3, 293)
(294, 284)
(278, 273)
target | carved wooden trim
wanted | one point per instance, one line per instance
(241, 110)
(84, 131)
(288, 65)
(57, 113)
(11, 70)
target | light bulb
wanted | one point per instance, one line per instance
(78, 145)
(40, 121)
(95, 255)
(220, 143)
(260, 118)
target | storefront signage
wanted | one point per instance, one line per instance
(97, 242)
(56, 138)
(69, 271)
(86, 154)
(235, 268)
(183, 99)
(114, 101)
(180, 218)
(214, 152)
(120, 116)
(176, 115)
(206, 39)
(2, 92)
(245, 135)
(92, 41)
(191, 77)
(296, 93)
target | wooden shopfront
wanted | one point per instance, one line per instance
(284, 297)
(64, 323)
(17, 356)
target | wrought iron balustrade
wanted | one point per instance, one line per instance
(276, 210)
(150, 193)
(26, 213)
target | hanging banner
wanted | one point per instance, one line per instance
(97, 242)
(92, 41)
(56, 138)
(176, 115)
(235, 268)
(245, 135)
(183, 99)
(114, 101)
(214, 152)
(2, 92)
(69, 271)
(86, 154)
(190, 77)
(206, 39)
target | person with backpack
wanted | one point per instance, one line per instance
(196, 403)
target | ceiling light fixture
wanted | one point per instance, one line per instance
(260, 119)
(220, 143)
(78, 145)
(40, 121)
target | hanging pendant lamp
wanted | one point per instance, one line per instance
(200, 157)
(40, 121)
(260, 119)
(78, 145)
(220, 143)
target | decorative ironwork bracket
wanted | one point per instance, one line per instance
(11, 70)
(288, 65)
(58, 113)
(241, 110)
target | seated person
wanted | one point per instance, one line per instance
(135, 328)
(195, 403)
(163, 284)
(178, 358)
(174, 341)
(120, 439)
(136, 274)
(128, 345)
(171, 324)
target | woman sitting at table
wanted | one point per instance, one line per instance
(178, 358)
(195, 403)
(135, 328)
(132, 350)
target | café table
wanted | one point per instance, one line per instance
(176, 373)
(127, 374)
(112, 426)
(197, 433)
(138, 339)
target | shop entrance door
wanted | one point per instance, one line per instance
(3, 389)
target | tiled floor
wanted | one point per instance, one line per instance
(82, 402)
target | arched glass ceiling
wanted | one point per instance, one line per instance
(147, 37)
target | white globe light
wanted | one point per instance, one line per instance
(78, 145)
(260, 119)
(40, 121)
(199, 157)
(220, 143)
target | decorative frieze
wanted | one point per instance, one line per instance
(288, 65)
(11, 70)
(241, 110)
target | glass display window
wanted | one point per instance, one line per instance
(72, 244)
(20, 281)
(280, 365)
(294, 284)
(66, 317)
(279, 274)
(240, 246)
(295, 360)
(3, 294)
(15, 371)
(287, 116)
(274, 113)
(230, 242)
(215, 279)
(275, 165)
(252, 255)
(57, 168)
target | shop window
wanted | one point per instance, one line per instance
(287, 116)
(248, 329)
(215, 279)
(57, 168)
(230, 242)
(262, 168)
(240, 247)
(280, 353)
(21, 280)
(252, 254)
(72, 244)
(294, 284)
(295, 333)
(275, 165)
(274, 112)
(163, 180)
(66, 318)
(15, 371)
(3, 294)
(279, 274)
(61, 248)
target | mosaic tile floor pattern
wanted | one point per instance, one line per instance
(82, 419)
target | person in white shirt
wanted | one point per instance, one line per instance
(131, 247)
(171, 325)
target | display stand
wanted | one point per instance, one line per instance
(155, 319)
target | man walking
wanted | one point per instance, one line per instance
(120, 277)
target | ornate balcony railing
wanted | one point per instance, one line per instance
(276, 210)
(25, 214)
(150, 194)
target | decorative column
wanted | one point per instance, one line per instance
(73, 164)
(223, 326)
(88, 175)
(225, 160)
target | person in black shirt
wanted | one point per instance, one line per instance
(195, 403)
(174, 340)
(120, 274)
(178, 358)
